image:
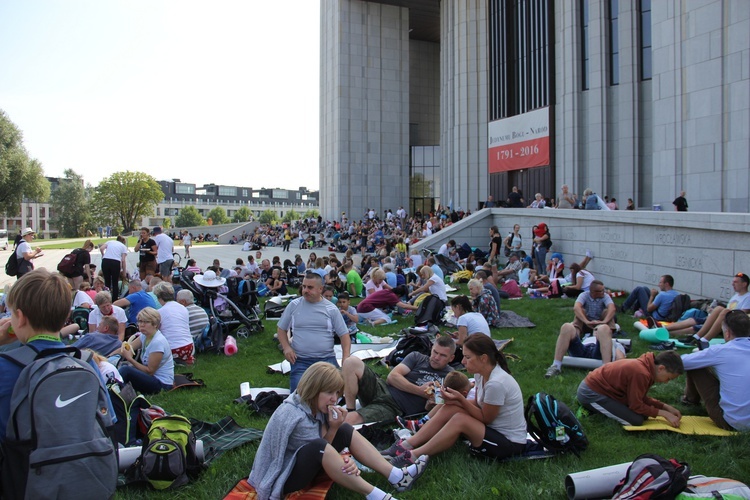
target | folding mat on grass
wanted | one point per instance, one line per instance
(316, 491)
(688, 425)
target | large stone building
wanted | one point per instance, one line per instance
(426, 102)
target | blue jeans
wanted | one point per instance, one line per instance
(638, 299)
(541, 259)
(142, 382)
(303, 364)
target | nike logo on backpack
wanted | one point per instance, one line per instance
(60, 403)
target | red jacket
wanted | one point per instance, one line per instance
(628, 382)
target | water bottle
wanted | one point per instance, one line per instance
(230, 346)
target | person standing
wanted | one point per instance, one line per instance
(680, 203)
(83, 260)
(147, 250)
(164, 250)
(187, 241)
(314, 322)
(25, 254)
(490, 203)
(566, 199)
(515, 200)
(114, 263)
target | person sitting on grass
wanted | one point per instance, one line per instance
(719, 375)
(155, 370)
(468, 322)
(405, 390)
(598, 346)
(652, 302)
(493, 423)
(454, 380)
(307, 434)
(483, 302)
(594, 313)
(371, 308)
(349, 313)
(620, 390)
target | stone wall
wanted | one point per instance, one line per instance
(700, 250)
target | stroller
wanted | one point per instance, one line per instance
(238, 308)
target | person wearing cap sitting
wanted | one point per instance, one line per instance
(25, 254)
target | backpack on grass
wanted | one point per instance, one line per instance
(59, 441)
(680, 304)
(710, 488)
(168, 456)
(652, 477)
(430, 311)
(411, 342)
(128, 405)
(551, 423)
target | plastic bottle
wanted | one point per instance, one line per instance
(230, 346)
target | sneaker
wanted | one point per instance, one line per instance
(651, 322)
(589, 254)
(703, 344)
(397, 449)
(552, 371)
(690, 340)
(662, 346)
(412, 425)
(638, 314)
(420, 464)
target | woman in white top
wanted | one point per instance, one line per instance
(493, 423)
(175, 323)
(433, 284)
(467, 321)
(581, 281)
(114, 264)
(187, 240)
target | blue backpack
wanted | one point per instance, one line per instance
(551, 423)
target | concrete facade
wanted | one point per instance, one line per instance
(364, 95)
(686, 127)
(702, 251)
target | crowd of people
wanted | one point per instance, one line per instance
(311, 428)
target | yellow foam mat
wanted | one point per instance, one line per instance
(688, 425)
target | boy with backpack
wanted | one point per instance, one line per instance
(39, 389)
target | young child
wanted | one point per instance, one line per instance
(620, 390)
(348, 312)
(454, 380)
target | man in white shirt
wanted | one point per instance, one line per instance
(104, 307)
(165, 248)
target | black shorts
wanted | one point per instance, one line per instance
(495, 445)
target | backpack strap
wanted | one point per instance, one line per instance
(21, 357)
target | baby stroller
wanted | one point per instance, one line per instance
(242, 301)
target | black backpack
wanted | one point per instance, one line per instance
(11, 267)
(128, 405)
(551, 423)
(411, 342)
(430, 311)
(680, 304)
(654, 477)
(59, 434)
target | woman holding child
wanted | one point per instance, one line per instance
(307, 433)
(493, 423)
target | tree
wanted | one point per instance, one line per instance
(70, 206)
(267, 217)
(127, 197)
(243, 214)
(20, 176)
(311, 214)
(167, 223)
(189, 217)
(218, 215)
(291, 216)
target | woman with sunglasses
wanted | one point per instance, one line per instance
(154, 371)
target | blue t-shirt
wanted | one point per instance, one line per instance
(9, 373)
(663, 302)
(439, 272)
(138, 302)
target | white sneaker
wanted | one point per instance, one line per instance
(589, 254)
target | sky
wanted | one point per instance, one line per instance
(220, 91)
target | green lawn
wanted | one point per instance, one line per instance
(455, 474)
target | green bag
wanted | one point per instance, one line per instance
(168, 457)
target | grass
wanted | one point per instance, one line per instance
(454, 473)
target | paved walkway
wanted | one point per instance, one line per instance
(204, 256)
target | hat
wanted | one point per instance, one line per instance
(209, 279)
(26, 231)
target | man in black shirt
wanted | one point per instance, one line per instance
(680, 203)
